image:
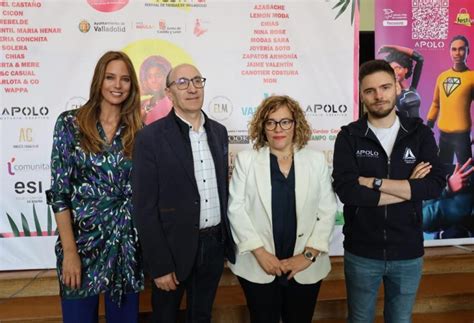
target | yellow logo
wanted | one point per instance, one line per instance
(463, 18)
(26, 135)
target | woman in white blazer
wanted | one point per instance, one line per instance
(282, 213)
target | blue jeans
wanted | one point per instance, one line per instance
(363, 278)
(85, 310)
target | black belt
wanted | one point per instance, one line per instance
(211, 230)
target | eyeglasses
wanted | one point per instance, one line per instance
(285, 124)
(183, 83)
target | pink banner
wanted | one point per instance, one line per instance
(428, 42)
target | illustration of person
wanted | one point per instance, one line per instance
(198, 30)
(453, 95)
(401, 59)
(153, 72)
(451, 216)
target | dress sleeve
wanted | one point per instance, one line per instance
(59, 196)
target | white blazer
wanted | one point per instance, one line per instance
(250, 212)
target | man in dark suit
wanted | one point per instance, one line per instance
(179, 183)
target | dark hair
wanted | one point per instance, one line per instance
(374, 66)
(269, 105)
(460, 37)
(402, 59)
(153, 61)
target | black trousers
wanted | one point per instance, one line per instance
(267, 303)
(454, 143)
(200, 286)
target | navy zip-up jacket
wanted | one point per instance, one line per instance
(390, 232)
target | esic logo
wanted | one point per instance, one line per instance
(238, 139)
(364, 153)
(327, 109)
(27, 112)
(220, 108)
(30, 187)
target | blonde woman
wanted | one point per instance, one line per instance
(282, 212)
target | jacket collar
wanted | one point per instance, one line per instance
(360, 127)
(176, 133)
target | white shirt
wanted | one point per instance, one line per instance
(205, 175)
(386, 136)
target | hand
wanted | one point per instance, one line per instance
(167, 282)
(460, 177)
(366, 181)
(296, 264)
(72, 269)
(421, 170)
(269, 263)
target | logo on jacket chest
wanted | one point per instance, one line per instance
(408, 156)
(367, 153)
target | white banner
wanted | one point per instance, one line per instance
(246, 49)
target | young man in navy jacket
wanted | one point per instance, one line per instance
(384, 166)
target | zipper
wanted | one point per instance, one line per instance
(386, 213)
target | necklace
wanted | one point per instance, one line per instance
(285, 157)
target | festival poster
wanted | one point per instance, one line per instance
(247, 50)
(428, 43)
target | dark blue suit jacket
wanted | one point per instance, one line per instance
(166, 201)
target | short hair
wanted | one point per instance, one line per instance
(272, 103)
(168, 78)
(460, 37)
(374, 66)
(402, 59)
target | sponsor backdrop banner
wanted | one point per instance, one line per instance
(247, 50)
(415, 37)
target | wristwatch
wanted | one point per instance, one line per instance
(377, 183)
(308, 255)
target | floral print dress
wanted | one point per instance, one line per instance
(96, 189)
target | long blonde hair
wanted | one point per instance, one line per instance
(88, 115)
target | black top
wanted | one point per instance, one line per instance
(389, 232)
(283, 211)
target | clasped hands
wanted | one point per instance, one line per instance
(167, 282)
(274, 266)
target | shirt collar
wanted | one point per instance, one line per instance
(184, 124)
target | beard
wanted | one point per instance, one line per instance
(380, 113)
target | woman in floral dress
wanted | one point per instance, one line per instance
(97, 249)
